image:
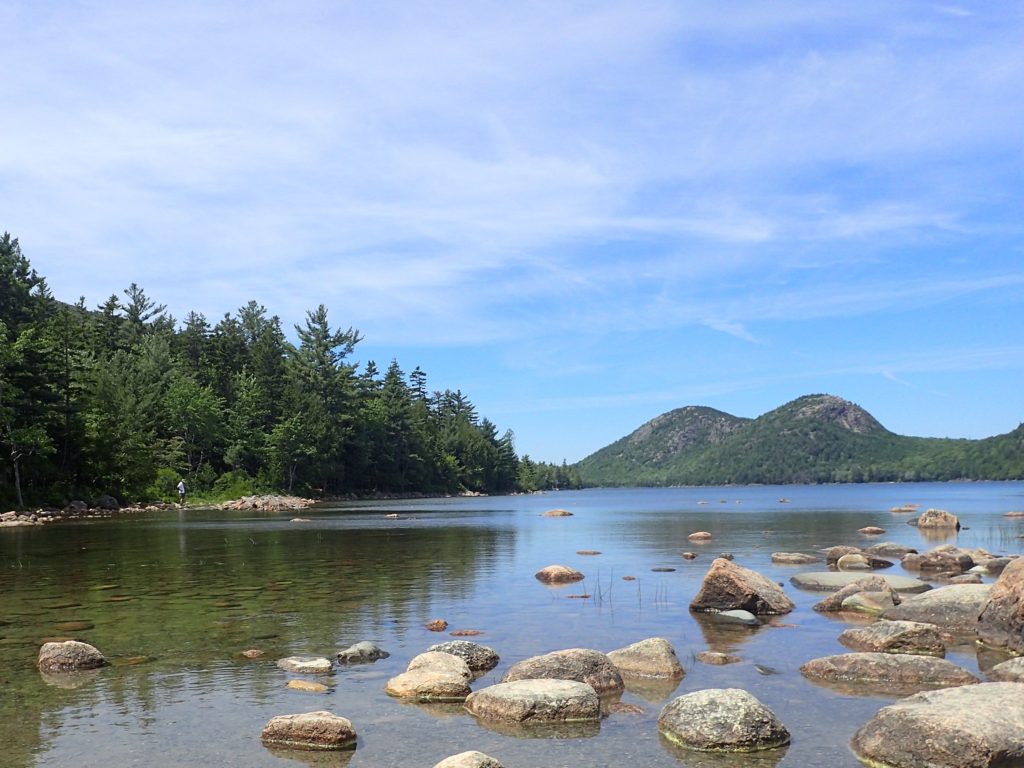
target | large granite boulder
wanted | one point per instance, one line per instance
(432, 676)
(1001, 620)
(899, 670)
(469, 760)
(311, 730)
(728, 586)
(363, 652)
(558, 574)
(536, 701)
(721, 720)
(944, 559)
(479, 658)
(896, 637)
(654, 657)
(974, 726)
(580, 664)
(68, 656)
(937, 518)
(871, 584)
(953, 608)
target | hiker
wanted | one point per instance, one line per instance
(181, 491)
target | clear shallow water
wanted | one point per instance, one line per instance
(172, 599)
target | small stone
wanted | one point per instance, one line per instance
(469, 760)
(558, 513)
(69, 656)
(437, 625)
(717, 658)
(699, 536)
(362, 653)
(252, 653)
(653, 657)
(307, 686)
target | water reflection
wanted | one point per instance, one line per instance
(689, 758)
(723, 636)
(556, 731)
(314, 758)
(650, 689)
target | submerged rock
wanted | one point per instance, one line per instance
(947, 558)
(306, 665)
(311, 730)
(900, 670)
(728, 586)
(721, 720)
(974, 726)
(469, 760)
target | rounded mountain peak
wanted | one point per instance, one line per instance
(835, 410)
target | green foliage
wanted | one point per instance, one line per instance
(814, 439)
(118, 400)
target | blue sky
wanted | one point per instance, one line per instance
(582, 214)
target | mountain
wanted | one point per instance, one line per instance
(813, 439)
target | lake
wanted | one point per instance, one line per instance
(173, 598)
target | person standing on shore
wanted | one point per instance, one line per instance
(181, 491)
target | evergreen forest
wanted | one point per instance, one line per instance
(123, 399)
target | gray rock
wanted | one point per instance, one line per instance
(311, 731)
(1001, 620)
(579, 664)
(728, 586)
(896, 637)
(478, 657)
(829, 581)
(653, 657)
(69, 656)
(469, 760)
(861, 561)
(900, 670)
(364, 652)
(947, 559)
(794, 558)
(536, 701)
(889, 549)
(863, 584)
(439, 661)
(975, 726)
(306, 665)
(954, 608)
(721, 720)
(1011, 671)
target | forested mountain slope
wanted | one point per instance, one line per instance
(813, 439)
